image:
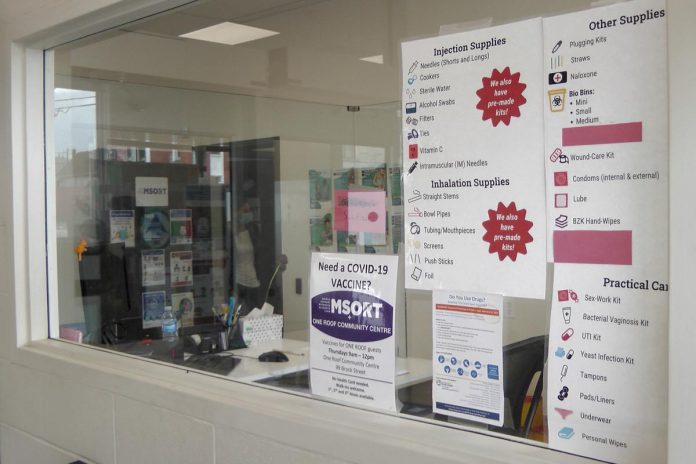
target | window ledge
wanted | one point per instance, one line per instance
(313, 425)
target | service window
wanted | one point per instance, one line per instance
(456, 213)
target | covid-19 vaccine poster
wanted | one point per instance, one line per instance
(352, 339)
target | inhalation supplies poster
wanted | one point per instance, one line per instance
(472, 161)
(352, 339)
(468, 356)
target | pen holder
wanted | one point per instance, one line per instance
(234, 337)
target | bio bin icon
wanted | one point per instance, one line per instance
(557, 100)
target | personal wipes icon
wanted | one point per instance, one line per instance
(566, 433)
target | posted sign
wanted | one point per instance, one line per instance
(352, 340)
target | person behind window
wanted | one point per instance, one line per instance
(247, 285)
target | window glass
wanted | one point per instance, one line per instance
(192, 177)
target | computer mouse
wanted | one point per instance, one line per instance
(273, 356)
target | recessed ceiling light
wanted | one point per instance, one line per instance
(379, 59)
(229, 33)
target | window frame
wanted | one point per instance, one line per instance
(30, 285)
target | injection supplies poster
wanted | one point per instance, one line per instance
(468, 356)
(352, 339)
(473, 161)
(607, 166)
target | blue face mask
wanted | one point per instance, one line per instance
(246, 218)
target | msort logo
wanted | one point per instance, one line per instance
(352, 316)
(154, 190)
(355, 308)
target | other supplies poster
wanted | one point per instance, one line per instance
(352, 339)
(473, 171)
(468, 356)
(608, 197)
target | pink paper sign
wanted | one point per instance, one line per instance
(360, 211)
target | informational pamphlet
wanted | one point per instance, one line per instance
(153, 307)
(319, 188)
(182, 305)
(468, 356)
(181, 268)
(154, 228)
(153, 268)
(181, 230)
(473, 173)
(352, 339)
(122, 227)
(607, 164)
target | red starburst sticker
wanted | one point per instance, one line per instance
(501, 96)
(507, 231)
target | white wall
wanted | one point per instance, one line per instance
(57, 402)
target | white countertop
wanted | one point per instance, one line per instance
(409, 371)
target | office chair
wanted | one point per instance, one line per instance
(521, 362)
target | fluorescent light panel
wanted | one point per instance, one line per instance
(229, 33)
(379, 59)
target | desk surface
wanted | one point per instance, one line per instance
(409, 371)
